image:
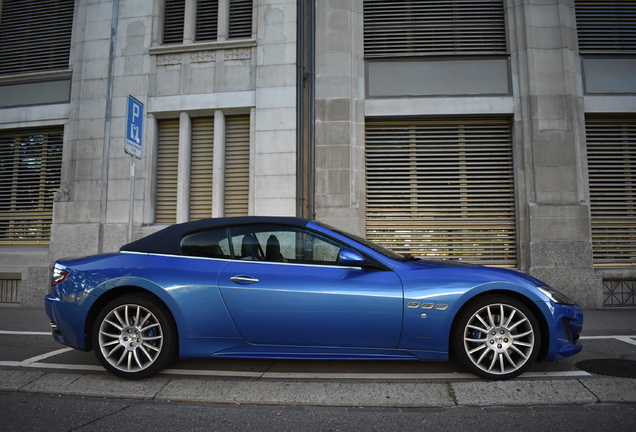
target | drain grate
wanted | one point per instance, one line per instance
(611, 367)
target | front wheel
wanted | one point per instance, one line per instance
(134, 337)
(496, 337)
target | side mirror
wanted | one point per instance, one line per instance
(350, 257)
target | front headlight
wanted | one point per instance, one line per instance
(555, 296)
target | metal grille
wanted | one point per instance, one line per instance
(30, 169)
(408, 28)
(207, 20)
(167, 171)
(606, 26)
(442, 188)
(619, 292)
(201, 168)
(240, 19)
(237, 166)
(173, 21)
(611, 158)
(10, 290)
(35, 35)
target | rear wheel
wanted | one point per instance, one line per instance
(496, 337)
(134, 337)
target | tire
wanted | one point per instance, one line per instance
(134, 337)
(496, 337)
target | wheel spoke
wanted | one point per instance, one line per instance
(515, 325)
(114, 324)
(490, 318)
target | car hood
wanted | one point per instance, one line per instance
(493, 273)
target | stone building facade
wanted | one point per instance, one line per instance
(500, 132)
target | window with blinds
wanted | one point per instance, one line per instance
(207, 20)
(30, 169)
(35, 35)
(240, 25)
(237, 165)
(167, 172)
(173, 21)
(611, 159)
(606, 26)
(201, 168)
(442, 189)
(416, 28)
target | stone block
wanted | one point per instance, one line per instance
(276, 119)
(73, 240)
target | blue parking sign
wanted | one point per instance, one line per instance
(134, 127)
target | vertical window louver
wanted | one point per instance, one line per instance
(30, 169)
(240, 25)
(237, 164)
(442, 189)
(35, 35)
(167, 171)
(415, 28)
(611, 155)
(173, 21)
(606, 26)
(207, 20)
(201, 168)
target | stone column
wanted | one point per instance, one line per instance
(554, 213)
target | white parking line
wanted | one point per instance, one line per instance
(25, 333)
(623, 338)
(35, 362)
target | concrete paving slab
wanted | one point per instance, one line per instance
(96, 385)
(612, 390)
(15, 380)
(310, 393)
(548, 392)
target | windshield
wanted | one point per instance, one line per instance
(384, 251)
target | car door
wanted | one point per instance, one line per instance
(287, 288)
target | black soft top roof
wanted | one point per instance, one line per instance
(167, 241)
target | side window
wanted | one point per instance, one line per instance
(284, 244)
(209, 244)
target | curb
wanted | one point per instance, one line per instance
(423, 394)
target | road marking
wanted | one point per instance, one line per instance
(35, 362)
(25, 333)
(623, 338)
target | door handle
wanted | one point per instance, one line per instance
(241, 278)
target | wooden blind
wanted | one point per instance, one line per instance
(240, 25)
(173, 21)
(606, 26)
(201, 168)
(35, 35)
(207, 20)
(237, 164)
(167, 171)
(30, 170)
(415, 28)
(611, 159)
(442, 189)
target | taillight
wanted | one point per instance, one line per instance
(58, 276)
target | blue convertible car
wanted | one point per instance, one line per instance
(294, 288)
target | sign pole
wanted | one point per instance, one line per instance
(134, 144)
(131, 210)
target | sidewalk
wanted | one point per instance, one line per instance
(443, 393)
(478, 393)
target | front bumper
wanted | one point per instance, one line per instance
(565, 330)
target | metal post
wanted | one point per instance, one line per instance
(131, 210)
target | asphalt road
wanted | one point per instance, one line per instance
(45, 386)
(30, 360)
